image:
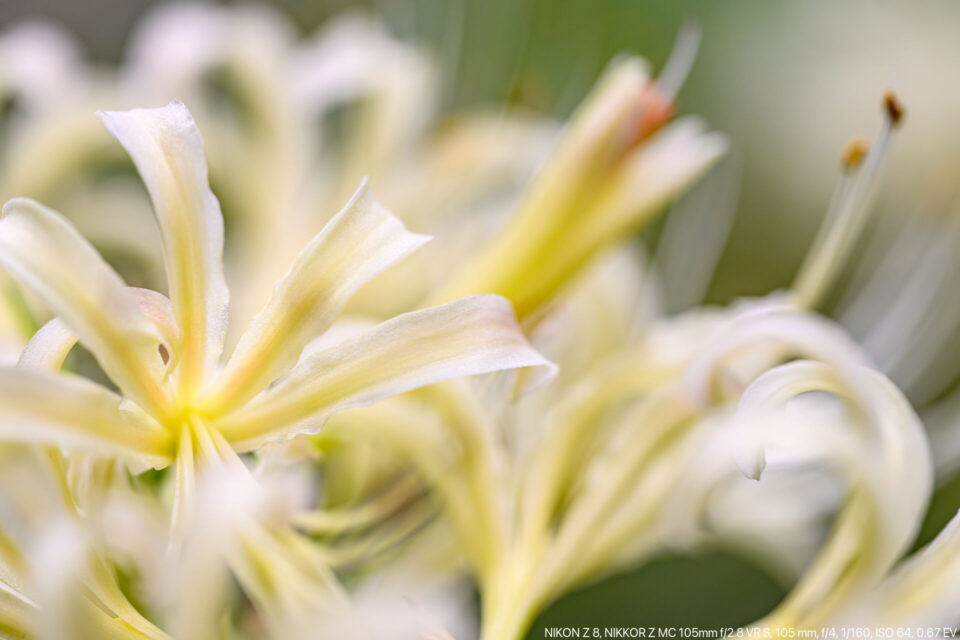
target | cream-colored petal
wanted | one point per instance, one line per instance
(885, 460)
(358, 243)
(922, 592)
(42, 250)
(66, 410)
(603, 129)
(48, 347)
(177, 44)
(609, 175)
(356, 59)
(41, 63)
(466, 337)
(166, 147)
(637, 190)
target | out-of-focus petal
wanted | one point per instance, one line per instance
(611, 172)
(66, 410)
(48, 256)
(922, 593)
(470, 336)
(48, 347)
(648, 179)
(78, 595)
(38, 62)
(356, 59)
(166, 147)
(179, 42)
(598, 136)
(361, 241)
(885, 460)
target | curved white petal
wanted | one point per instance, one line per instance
(357, 244)
(165, 146)
(466, 337)
(66, 410)
(177, 43)
(41, 63)
(922, 592)
(48, 347)
(772, 332)
(356, 59)
(38, 247)
(885, 459)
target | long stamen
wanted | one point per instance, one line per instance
(851, 161)
(848, 212)
(658, 99)
(681, 59)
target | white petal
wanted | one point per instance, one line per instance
(178, 43)
(67, 410)
(771, 332)
(48, 347)
(466, 337)
(647, 179)
(166, 147)
(885, 460)
(41, 62)
(48, 256)
(357, 244)
(607, 178)
(923, 592)
(357, 59)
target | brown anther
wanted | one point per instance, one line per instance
(853, 153)
(893, 107)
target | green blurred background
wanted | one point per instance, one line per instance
(788, 82)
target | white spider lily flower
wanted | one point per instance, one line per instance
(12, 329)
(164, 355)
(237, 526)
(611, 172)
(61, 559)
(255, 106)
(645, 443)
(870, 436)
(241, 526)
(598, 174)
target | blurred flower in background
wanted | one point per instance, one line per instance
(698, 351)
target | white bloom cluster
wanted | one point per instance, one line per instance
(385, 428)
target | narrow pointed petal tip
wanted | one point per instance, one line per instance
(49, 257)
(166, 147)
(359, 243)
(470, 336)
